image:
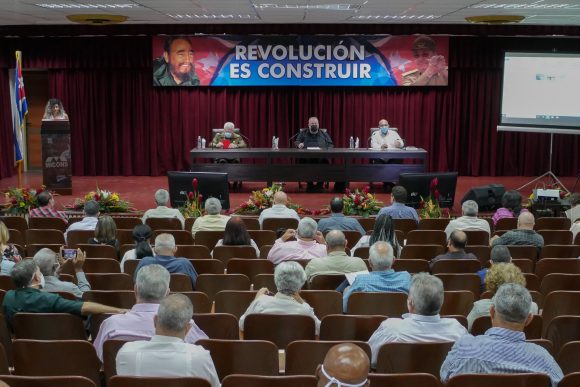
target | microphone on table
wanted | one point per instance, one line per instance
(246, 139)
(293, 137)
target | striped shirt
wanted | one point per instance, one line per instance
(499, 351)
(378, 281)
(48, 212)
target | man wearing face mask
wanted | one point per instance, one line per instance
(228, 139)
(385, 137)
(313, 137)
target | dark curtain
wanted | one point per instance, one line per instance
(122, 125)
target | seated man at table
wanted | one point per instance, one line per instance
(386, 138)
(228, 139)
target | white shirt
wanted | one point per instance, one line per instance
(166, 356)
(378, 139)
(415, 328)
(278, 211)
(129, 255)
(88, 223)
(467, 223)
(163, 212)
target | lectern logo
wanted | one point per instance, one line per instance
(56, 162)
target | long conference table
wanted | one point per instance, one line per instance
(291, 164)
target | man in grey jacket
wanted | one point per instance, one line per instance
(50, 264)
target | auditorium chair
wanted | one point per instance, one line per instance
(303, 356)
(563, 329)
(253, 357)
(75, 238)
(6, 283)
(4, 365)
(180, 283)
(224, 253)
(547, 266)
(47, 381)
(48, 326)
(125, 237)
(477, 237)
(208, 266)
(16, 223)
(426, 237)
(274, 224)
(433, 224)
(98, 251)
(500, 380)
(523, 252)
(189, 224)
(262, 237)
(38, 237)
(101, 265)
(110, 281)
(552, 223)
(352, 237)
(532, 281)
(392, 304)
(193, 252)
(464, 281)
(110, 349)
(15, 237)
(559, 281)
(267, 281)
(411, 265)
(149, 381)
(118, 298)
(182, 237)
(556, 237)
(269, 381)
(362, 252)
(396, 358)
(164, 223)
(251, 223)
(324, 302)
(56, 358)
(234, 302)
(326, 281)
(208, 238)
(130, 266)
(525, 265)
(426, 251)
(457, 302)
(481, 252)
(210, 284)
(220, 326)
(506, 224)
(250, 267)
(569, 358)
(199, 301)
(367, 223)
(49, 223)
(405, 225)
(456, 266)
(264, 250)
(461, 319)
(570, 380)
(349, 327)
(560, 251)
(281, 329)
(126, 222)
(533, 330)
(404, 380)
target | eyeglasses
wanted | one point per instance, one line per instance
(333, 381)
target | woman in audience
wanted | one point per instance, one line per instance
(106, 233)
(497, 275)
(236, 234)
(141, 235)
(10, 254)
(511, 202)
(384, 231)
(289, 277)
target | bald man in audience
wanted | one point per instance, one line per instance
(345, 365)
(455, 248)
(279, 209)
(337, 261)
(523, 235)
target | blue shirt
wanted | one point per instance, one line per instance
(378, 281)
(340, 222)
(482, 273)
(399, 211)
(172, 264)
(499, 351)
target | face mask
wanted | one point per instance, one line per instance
(313, 129)
(42, 281)
(228, 134)
(384, 129)
(335, 382)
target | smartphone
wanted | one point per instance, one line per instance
(69, 253)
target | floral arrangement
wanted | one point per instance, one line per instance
(262, 199)
(429, 208)
(108, 201)
(21, 200)
(193, 202)
(361, 203)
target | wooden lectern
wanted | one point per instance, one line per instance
(56, 160)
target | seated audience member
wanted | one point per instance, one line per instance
(523, 235)
(337, 261)
(345, 364)
(213, 221)
(422, 324)
(167, 354)
(10, 254)
(289, 278)
(89, 222)
(498, 274)
(46, 208)
(106, 233)
(455, 248)
(49, 264)
(382, 278)
(27, 298)
(151, 287)
(469, 221)
(309, 243)
(165, 256)
(279, 209)
(502, 349)
(511, 202)
(337, 220)
(162, 210)
(141, 235)
(499, 254)
(236, 234)
(398, 209)
(384, 230)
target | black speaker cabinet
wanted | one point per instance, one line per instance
(488, 197)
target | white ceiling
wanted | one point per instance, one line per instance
(54, 12)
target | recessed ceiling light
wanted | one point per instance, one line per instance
(536, 5)
(86, 6)
(326, 7)
(495, 19)
(211, 16)
(396, 17)
(97, 20)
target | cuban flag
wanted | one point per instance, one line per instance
(20, 111)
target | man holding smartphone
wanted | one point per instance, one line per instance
(50, 265)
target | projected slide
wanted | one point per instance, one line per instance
(541, 89)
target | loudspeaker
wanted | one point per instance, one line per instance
(487, 197)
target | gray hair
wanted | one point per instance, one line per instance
(164, 241)
(470, 208)
(91, 208)
(307, 228)
(512, 302)
(500, 254)
(289, 277)
(213, 206)
(45, 259)
(335, 239)
(229, 125)
(426, 294)
(152, 283)
(175, 312)
(381, 256)
(22, 273)
(161, 197)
